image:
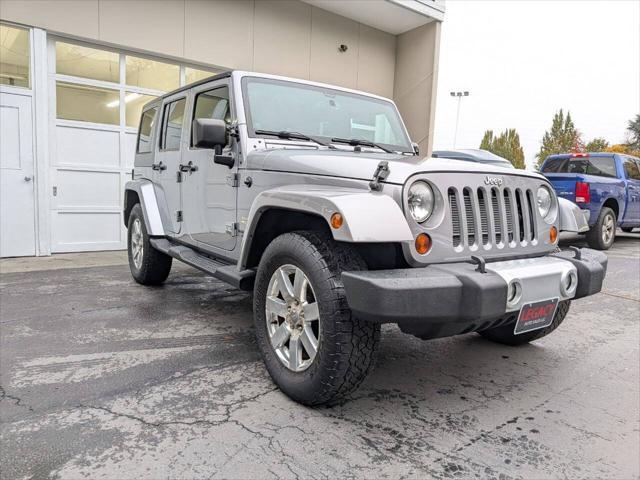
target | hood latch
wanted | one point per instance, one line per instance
(381, 173)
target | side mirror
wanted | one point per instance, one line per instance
(209, 133)
(212, 133)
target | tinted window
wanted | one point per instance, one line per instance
(631, 169)
(146, 128)
(599, 166)
(213, 104)
(172, 125)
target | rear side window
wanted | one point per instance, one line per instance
(213, 104)
(147, 120)
(599, 166)
(172, 120)
(631, 169)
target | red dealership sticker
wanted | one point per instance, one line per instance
(536, 315)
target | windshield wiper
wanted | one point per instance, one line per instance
(354, 142)
(296, 135)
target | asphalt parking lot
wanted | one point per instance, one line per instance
(103, 378)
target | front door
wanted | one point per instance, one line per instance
(209, 193)
(169, 154)
(17, 202)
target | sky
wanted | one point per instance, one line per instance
(524, 60)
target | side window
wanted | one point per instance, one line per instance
(213, 104)
(172, 120)
(147, 120)
(631, 169)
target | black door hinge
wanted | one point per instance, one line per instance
(381, 173)
(179, 177)
(233, 180)
(179, 216)
(233, 131)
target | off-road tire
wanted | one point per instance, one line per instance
(505, 335)
(594, 235)
(627, 229)
(155, 265)
(346, 345)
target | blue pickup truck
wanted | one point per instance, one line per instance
(605, 185)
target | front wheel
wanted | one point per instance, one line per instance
(148, 266)
(603, 233)
(506, 336)
(315, 350)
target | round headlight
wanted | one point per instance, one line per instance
(420, 201)
(544, 199)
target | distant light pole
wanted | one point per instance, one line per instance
(459, 95)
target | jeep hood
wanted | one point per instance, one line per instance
(362, 165)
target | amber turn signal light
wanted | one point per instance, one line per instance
(423, 243)
(336, 220)
(553, 234)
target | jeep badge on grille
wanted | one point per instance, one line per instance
(493, 181)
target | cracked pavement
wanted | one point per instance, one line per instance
(103, 378)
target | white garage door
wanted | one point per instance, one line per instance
(97, 96)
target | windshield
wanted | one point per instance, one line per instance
(282, 106)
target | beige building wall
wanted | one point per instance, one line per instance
(416, 78)
(286, 37)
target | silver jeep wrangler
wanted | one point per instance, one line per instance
(314, 197)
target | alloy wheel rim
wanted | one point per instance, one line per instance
(137, 245)
(608, 229)
(293, 319)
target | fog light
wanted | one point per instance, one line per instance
(553, 234)
(336, 220)
(423, 243)
(514, 293)
(569, 283)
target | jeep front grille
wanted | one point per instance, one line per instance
(491, 216)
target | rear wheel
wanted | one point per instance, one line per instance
(315, 350)
(148, 266)
(506, 336)
(603, 233)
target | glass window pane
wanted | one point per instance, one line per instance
(87, 62)
(213, 104)
(172, 125)
(146, 128)
(193, 75)
(88, 104)
(145, 73)
(14, 56)
(133, 107)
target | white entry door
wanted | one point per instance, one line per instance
(17, 202)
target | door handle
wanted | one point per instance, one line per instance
(27, 179)
(189, 167)
(158, 166)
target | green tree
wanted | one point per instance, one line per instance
(598, 144)
(563, 137)
(633, 130)
(506, 145)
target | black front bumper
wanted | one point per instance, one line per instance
(449, 299)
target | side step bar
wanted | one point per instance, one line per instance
(242, 279)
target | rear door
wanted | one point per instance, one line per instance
(169, 153)
(632, 172)
(209, 193)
